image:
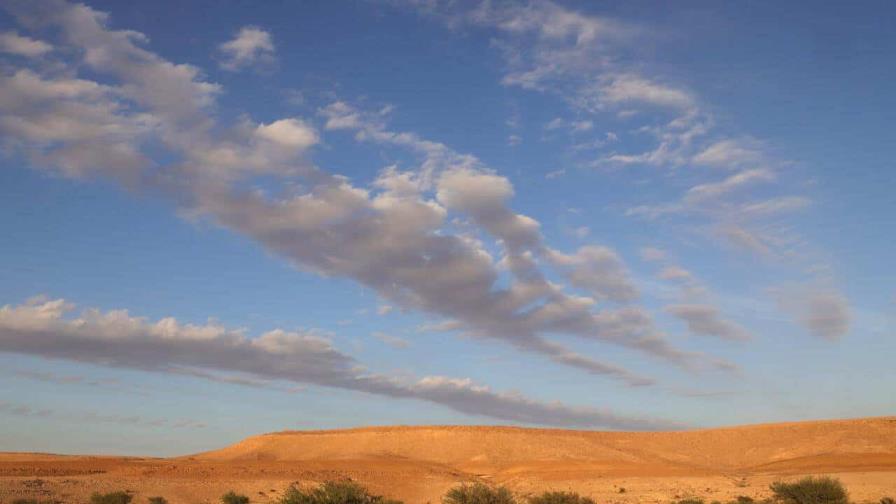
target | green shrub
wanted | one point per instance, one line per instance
(157, 500)
(119, 497)
(334, 492)
(478, 493)
(232, 497)
(744, 499)
(560, 498)
(810, 490)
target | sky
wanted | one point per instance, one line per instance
(228, 218)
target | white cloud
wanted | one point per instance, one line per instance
(626, 88)
(115, 338)
(823, 311)
(250, 46)
(709, 191)
(728, 154)
(555, 123)
(676, 273)
(392, 341)
(746, 239)
(341, 116)
(706, 320)
(13, 43)
(289, 133)
(599, 270)
(775, 206)
(393, 236)
(580, 58)
(76, 125)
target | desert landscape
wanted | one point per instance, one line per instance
(419, 464)
(447, 252)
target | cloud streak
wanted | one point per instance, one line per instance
(394, 237)
(115, 338)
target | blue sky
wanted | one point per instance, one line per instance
(629, 215)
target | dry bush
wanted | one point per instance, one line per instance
(810, 490)
(334, 492)
(119, 497)
(478, 493)
(560, 498)
(232, 497)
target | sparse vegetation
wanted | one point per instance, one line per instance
(119, 497)
(478, 493)
(232, 497)
(744, 499)
(887, 500)
(334, 492)
(560, 498)
(157, 500)
(810, 490)
(690, 500)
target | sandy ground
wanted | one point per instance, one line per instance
(418, 464)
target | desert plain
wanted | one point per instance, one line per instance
(418, 464)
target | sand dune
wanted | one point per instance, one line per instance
(418, 464)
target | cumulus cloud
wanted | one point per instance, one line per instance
(13, 43)
(393, 236)
(289, 134)
(695, 306)
(535, 305)
(43, 327)
(78, 126)
(552, 49)
(598, 270)
(250, 46)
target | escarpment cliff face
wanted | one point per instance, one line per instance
(734, 449)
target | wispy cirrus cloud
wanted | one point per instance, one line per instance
(24, 410)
